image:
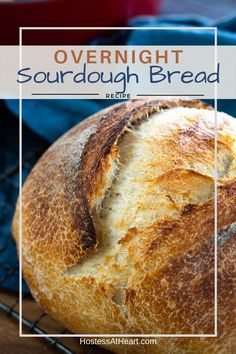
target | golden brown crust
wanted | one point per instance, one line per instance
(170, 280)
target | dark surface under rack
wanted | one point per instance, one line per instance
(34, 319)
(34, 326)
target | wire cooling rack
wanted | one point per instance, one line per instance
(34, 319)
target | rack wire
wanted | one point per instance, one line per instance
(34, 319)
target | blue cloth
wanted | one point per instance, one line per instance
(54, 117)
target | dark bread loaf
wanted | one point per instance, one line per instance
(118, 225)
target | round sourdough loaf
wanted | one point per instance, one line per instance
(118, 226)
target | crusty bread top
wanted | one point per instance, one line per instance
(75, 158)
(159, 170)
(126, 198)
